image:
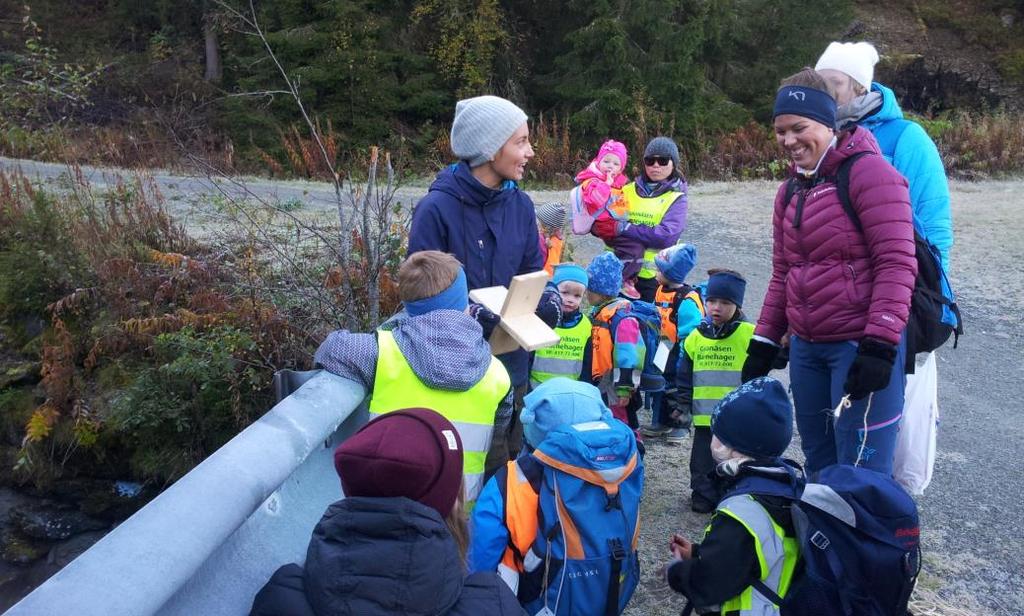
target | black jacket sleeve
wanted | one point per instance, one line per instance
(724, 564)
(587, 373)
(283, 595)
(684, 381)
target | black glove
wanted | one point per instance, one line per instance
(760, 356)
(782, 359)
(871, 369)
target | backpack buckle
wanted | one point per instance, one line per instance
(618, 551)
(819, 540)
(614, 502)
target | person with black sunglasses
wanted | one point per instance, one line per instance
(657, 211)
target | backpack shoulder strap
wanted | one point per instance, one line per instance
(791, 187)
(842, 179)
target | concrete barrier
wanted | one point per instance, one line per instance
(207, 543)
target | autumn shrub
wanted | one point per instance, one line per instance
(157, 348)
(202, 387)
(556, 159)
(975, 145)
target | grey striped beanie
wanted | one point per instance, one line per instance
(481, 126)
(551, 215)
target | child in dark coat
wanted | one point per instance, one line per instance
(397, 542)
(750, 538)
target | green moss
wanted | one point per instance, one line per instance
(1011, 66)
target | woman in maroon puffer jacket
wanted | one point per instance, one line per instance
(843, 294)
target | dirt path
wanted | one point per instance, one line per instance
(971, 515)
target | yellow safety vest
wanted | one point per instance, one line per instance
(396, 386)
(648, 211)
(566, 357)
(777, 556)
(717, 368)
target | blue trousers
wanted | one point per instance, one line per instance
(817, 371)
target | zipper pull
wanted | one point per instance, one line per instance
(480, 243)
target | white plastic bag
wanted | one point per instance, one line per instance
(915, 444)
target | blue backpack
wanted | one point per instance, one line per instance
(649, 318)
(859, 541)
(587, 529)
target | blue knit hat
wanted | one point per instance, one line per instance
(558, 402)
(570, 271)
(675, 262)
(605, 272)
(755, 419)
(727, 285)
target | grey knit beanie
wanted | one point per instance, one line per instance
(663, 146)
(482, 125)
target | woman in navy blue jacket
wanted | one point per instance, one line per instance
(475, 211)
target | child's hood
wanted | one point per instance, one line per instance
(445, 348)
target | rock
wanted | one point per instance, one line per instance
(103, 498)
(19, 550)
(52, 523)
(66, 551)
(19, 373)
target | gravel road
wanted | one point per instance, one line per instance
(972, 519)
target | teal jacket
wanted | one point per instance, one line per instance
(909, 148)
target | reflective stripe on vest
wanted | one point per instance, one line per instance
(396, 386)
(566, 357)
(776, 555)
(717, 368)
(648, 211)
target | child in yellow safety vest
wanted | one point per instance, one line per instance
(433, 355)
(682, 309)
(710, 367)
(619, 351)
(571, 357)
(749, 546)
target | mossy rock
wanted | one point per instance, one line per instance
(19, 373)
(17, 549)
(898, 61)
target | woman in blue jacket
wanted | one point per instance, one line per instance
(475, 211)
(850, 67)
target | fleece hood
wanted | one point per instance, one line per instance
(445, 348)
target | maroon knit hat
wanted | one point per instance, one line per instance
(415, 453)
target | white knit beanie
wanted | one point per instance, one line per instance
(482, 125)
(855, 59)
